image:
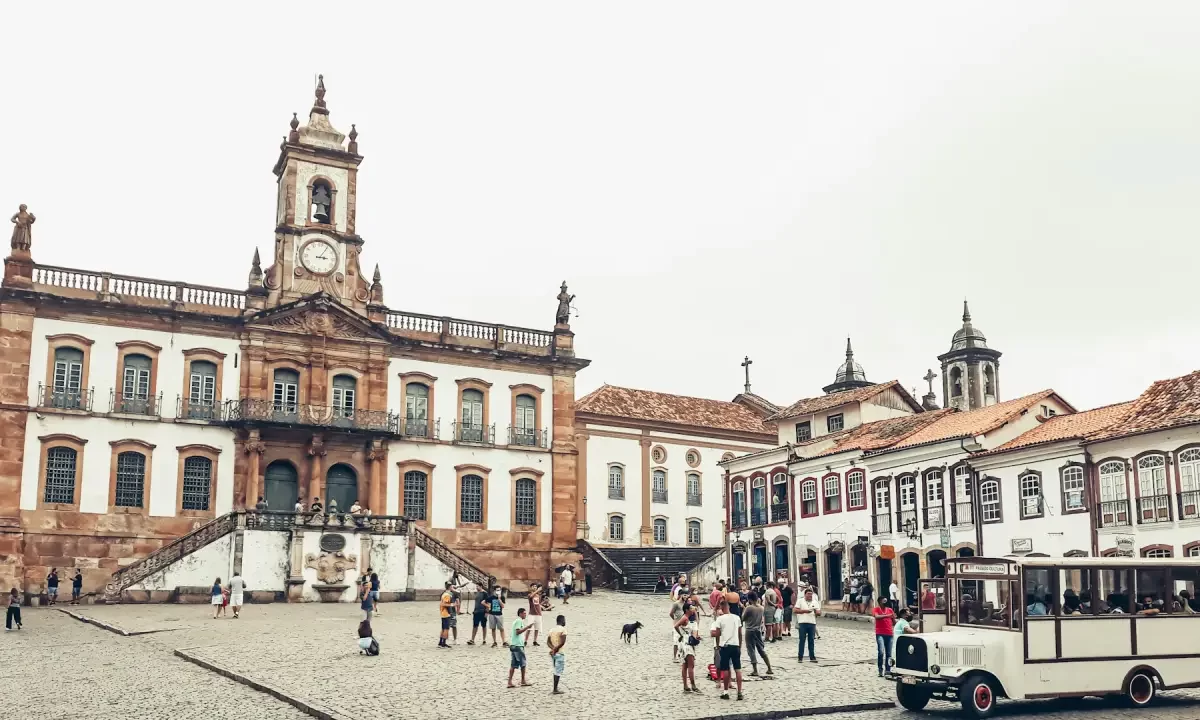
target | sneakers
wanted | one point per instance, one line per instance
(740, 697)
(724, 696)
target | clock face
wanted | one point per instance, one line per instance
(319, 257)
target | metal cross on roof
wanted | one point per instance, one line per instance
(746, 364)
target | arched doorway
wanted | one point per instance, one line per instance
(937, 563)
(282, 486)
(884, 579)
(833, 573)
(781, 557)
(912, 575)
(807, 570)
(760, 559)
(966, 552)
(739, 563)
(858, 559)
(341, 484)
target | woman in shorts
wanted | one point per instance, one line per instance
(218, 597)
(689, 632)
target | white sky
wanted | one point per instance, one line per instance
(713, 180)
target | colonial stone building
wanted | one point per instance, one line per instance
(136, 410)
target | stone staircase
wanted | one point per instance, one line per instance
(219, 527)
(642, 566)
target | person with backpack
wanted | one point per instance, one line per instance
(689, 632)
(367, 644)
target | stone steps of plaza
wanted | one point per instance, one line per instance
(643, 566)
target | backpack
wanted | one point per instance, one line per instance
(712, 673)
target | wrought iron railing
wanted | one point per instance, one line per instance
(1114, 513)
(150, 406)
(256, 410)
(658, 496)
(737, 520)
(934, 517)
(779, 512)
(1189, 504)
(459, 564)
(616, 493)
(527, 437)
(470, 433)
(881, 523)
(420, 427)
(906, 520)
(51, 398)
(962, 513)
(694, 499)
(758, 516)
(1154, 509)
(187, 409)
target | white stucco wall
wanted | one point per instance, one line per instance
(602, 452)
(199, 569)
(429, 572)
(165, 435)
(389, 557)
(265, 560)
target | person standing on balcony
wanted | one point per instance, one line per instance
(261, 505)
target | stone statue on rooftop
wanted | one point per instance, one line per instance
(563, 317)
(22, 237)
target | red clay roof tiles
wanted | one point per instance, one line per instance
(974, 422)
(1165, 404)
(883, 433)
(808, 406)
(1067, 427)
(620, 402)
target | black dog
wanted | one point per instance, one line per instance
(630, 631)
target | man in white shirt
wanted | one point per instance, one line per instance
(727, 628)
(567, 578)
(894, 592)
(806, 611)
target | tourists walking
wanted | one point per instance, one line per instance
(445, 607)
(52, 586)
(727, 628)
(76, 587)
(787, 594)
(14, 611)
(479, 615)
(237, 586)
(806, 611)
(496, 616)
(555, 641)
(752, 621)
(689, 639)
(568, 577)
(884, 627)
(218, 597)
(894, 593)
(364, 595)
(516, 648)
(535, 613)
(374, 579)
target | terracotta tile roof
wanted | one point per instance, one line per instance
(808, 406)
(757, 403)
(619, 402)
(1165, 404)
(958, 424)
(883, 433)
(1066, 427)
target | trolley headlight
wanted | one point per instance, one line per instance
(935, 669)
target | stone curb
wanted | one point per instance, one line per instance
(111, 628)
(303, 705)
(802, 712)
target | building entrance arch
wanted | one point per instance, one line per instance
(341, 484)
(281, 487)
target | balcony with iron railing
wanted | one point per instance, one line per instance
(146, 406)
(758, 516)
(1154, 509)
(616, 493)
(51, 398)
(1114, 513)
(737, 520)
(906, 521)
(658, 496)
(694, 499)
(780, 512)
(1189, 505)
(251, 410)
(881, 523)
(187, 409)
(419, 427)
(471, 433)
(528, 437)
(934, 517)
(962, 513)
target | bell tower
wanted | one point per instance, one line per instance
(316, 246)
(970, 369)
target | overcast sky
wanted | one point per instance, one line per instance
(713, 180)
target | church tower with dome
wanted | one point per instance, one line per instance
(849, 375)
(970, 369)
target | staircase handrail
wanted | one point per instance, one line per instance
(135, 572)
(603, 557)
(451, 559)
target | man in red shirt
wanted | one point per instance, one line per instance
(715, 597)
(884, 623)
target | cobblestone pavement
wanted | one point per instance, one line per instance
(309, 651)
(58, 667)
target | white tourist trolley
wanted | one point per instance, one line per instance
(1056, 627)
